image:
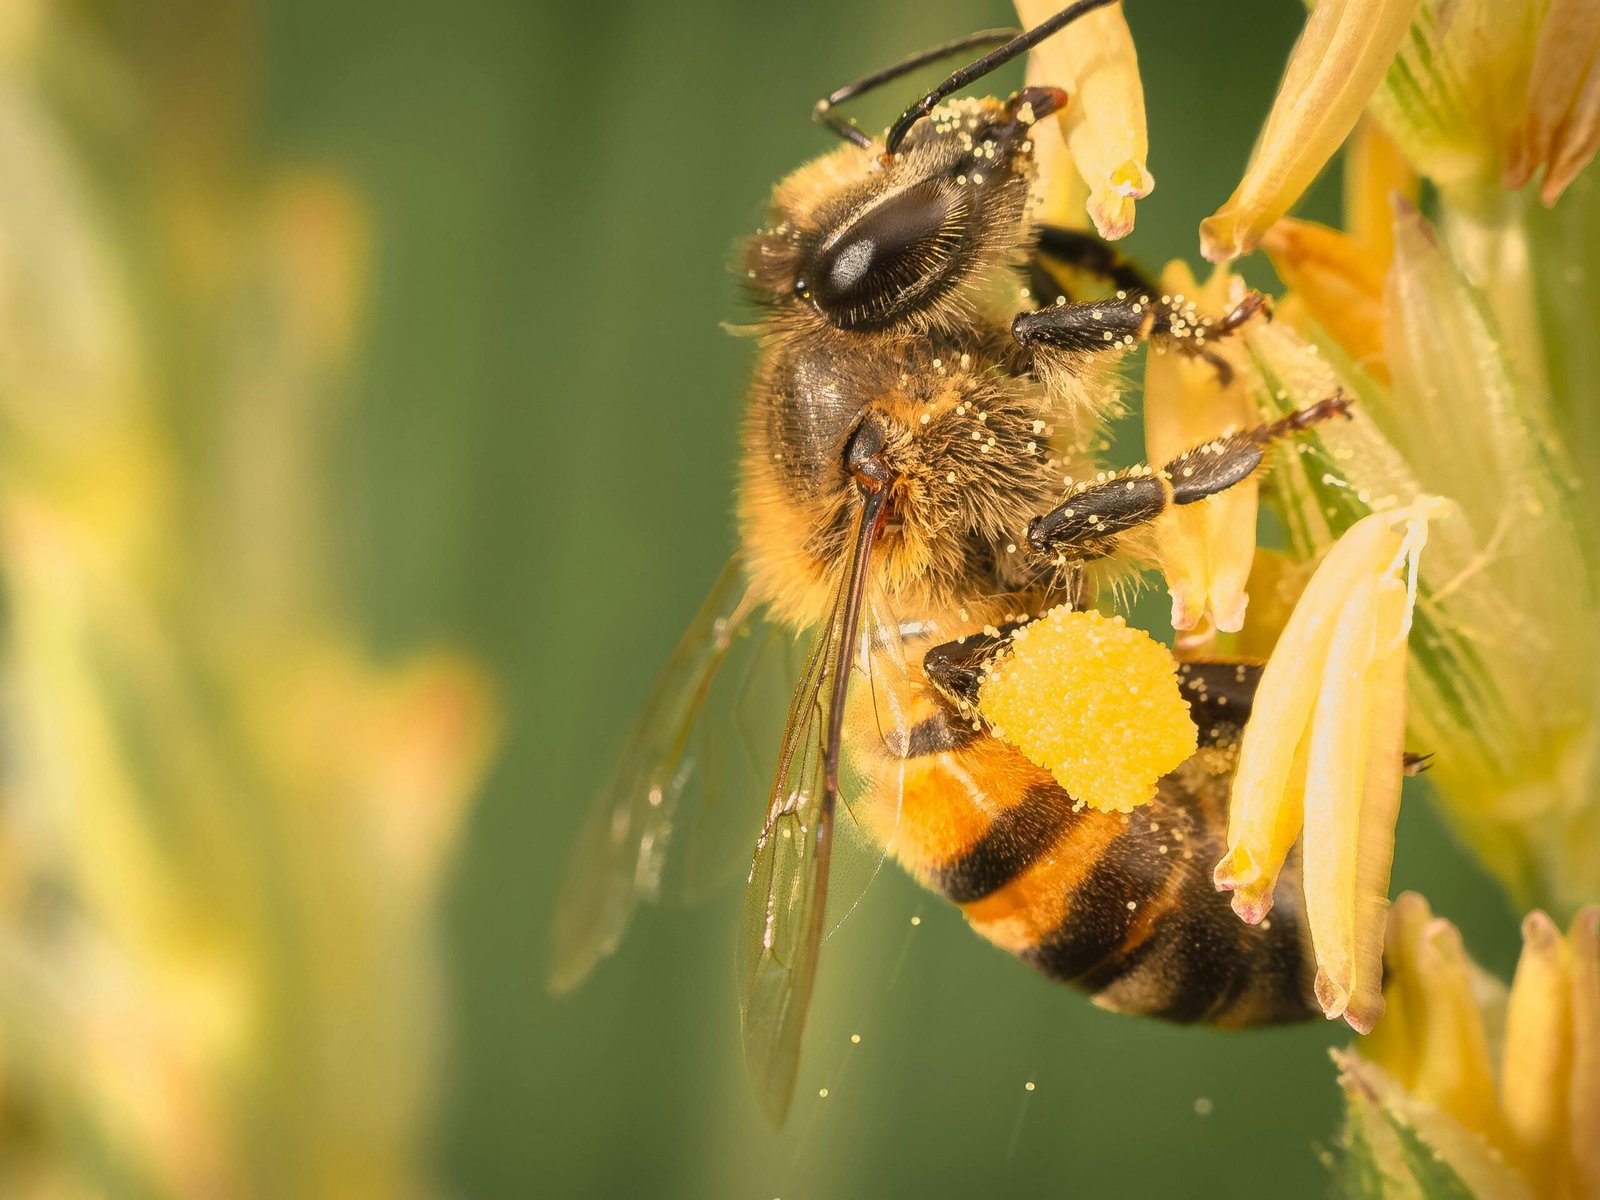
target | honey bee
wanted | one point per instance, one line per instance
(909, 428)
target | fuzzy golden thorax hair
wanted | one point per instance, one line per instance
(968, 451)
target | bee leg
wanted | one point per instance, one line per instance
(1220, 693)
(1416, 764)
(1087, 522)
(1080, 250)
(1116, 322)
(955, 669)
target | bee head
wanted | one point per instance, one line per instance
(871, 240)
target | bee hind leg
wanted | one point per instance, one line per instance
(1088, 521)
(955, 669)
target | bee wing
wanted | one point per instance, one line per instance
(809, 830)
(701, 744)
(785, 901)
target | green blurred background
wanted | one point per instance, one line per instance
(537, 463)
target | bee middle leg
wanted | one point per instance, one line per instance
(1086, 523)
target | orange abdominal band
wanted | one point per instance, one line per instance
(1093, 701)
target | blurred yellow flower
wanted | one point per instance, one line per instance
(241, 820)
(1502, 1091)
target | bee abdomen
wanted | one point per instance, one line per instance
(1015, 840)
(1121, 906)
(1146, 932)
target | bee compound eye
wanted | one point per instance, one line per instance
(891, 257)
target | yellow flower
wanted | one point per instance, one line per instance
(1336, 278)
(1334, 68)
(1324, 750)
(1104, 124)
(1503, 688)
(1453, 95)
(1501, 1091)
(1205, 549)
(1375, 172)
(1339, 283)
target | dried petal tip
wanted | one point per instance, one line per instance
(1094, 60)
(1336, 65)
(1561, 128)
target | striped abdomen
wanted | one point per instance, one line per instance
(1120, 905)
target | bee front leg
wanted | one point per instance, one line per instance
(1086, 523)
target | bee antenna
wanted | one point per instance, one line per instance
(823, 112)
(992, 61)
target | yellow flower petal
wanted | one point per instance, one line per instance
(1339, 281)
(1454, 1070)
(1380, 804)
(1537, 1059)
(1335, 771)
(1396, 1043)
(1334, 68)
(1206, 548)
(1275, 583)
(1260, 827)
(1561, 129)
(1094, 60)
(1374, 173)
(1063, 194)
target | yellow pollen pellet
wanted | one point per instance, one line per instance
(1093, 701)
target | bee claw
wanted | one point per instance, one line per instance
(1416, 764)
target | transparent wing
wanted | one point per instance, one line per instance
(698, 753)
(781, 927)
(871, 781)
(812, 834)
(726, 765)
